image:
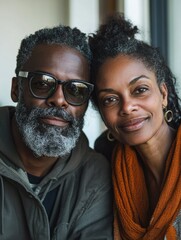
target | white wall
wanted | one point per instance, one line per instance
(174, 31)
(85, 14)
(19, 18)
(138, 12)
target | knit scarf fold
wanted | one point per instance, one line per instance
(131, 196)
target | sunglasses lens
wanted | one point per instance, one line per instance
(76, 93)
(42, 85)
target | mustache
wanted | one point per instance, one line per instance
(46, 140)
(54, 112)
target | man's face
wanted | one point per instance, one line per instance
(51, 127)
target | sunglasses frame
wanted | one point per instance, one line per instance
(29, 76)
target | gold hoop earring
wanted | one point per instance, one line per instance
(110, 137)
(168, 115)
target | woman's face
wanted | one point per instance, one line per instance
(130, 101)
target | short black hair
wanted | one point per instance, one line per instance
(117, 37)
(60, 35)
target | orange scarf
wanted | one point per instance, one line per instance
(131, 196)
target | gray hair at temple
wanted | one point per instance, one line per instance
(60, 35)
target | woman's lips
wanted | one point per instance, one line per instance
(55, 121)
(133, 124)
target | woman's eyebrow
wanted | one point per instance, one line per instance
(133, 81)
(109, 90)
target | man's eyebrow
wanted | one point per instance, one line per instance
(133, 81)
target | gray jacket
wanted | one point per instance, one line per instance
(83, 206)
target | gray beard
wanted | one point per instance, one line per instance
(44, 139)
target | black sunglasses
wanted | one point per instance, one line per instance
(43, 85)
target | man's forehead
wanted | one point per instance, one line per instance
(58, 59)
(45, 50)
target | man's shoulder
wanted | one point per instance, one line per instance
(6, 111)
(93, 161)
(91, 154)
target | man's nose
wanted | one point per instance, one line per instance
(58, 99)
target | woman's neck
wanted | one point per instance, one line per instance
(153, 155)
(154, 152)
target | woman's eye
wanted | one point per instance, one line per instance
(141, 90)
(110, 101)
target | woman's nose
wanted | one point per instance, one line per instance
(127, 106)
(58, 99)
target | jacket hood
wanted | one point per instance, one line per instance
(7, 146)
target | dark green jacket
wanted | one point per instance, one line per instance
(83, 205)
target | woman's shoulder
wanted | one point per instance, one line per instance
(104, 146)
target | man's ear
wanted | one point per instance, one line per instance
(14, 89)
(164, 92)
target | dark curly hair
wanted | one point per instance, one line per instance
(116, 37)
(61, 35)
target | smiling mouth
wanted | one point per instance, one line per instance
(55, 121)
(133, 125)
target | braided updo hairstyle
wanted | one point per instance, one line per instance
(117, 37)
